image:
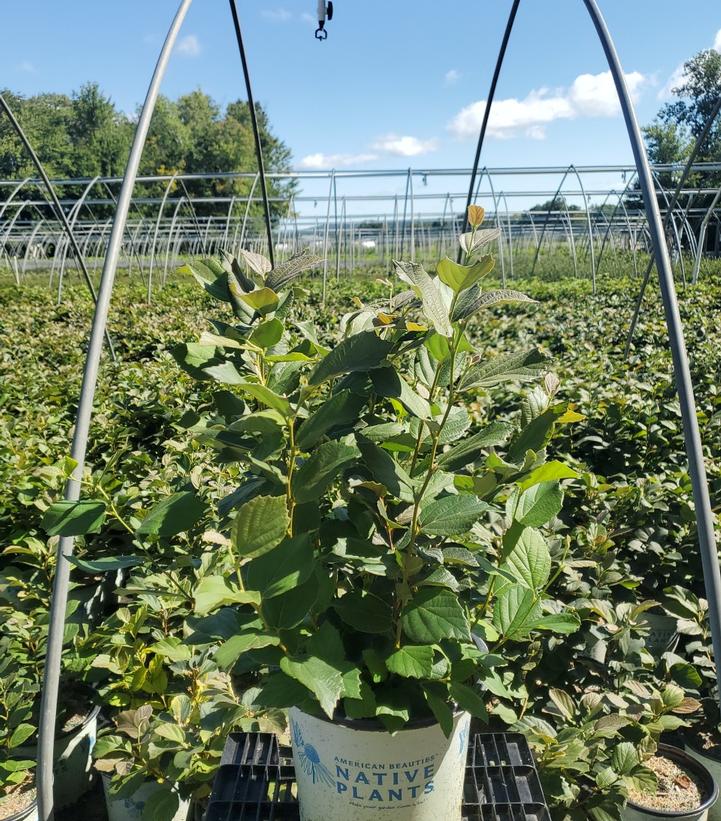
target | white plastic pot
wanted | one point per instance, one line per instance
(356, 771)
(713, 765)
(72, 770)
(634, 812)
(131, 809)
(28, 814)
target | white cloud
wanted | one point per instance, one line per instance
(323, 161)
(717, 41)
(590, 95)
(452, 76)
(307, 17)
(26, 67)
(279, 15)
(406, 146)
(189, 46)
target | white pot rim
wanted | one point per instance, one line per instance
(374, 725)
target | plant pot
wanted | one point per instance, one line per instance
(72, 770)
(712, 762)
(29, 813)
(357, 771)
(131, 809)
(634, 812)
(663, 632)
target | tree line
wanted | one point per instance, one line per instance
(84, 135)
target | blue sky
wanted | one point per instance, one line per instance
(397, 83)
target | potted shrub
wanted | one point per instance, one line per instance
(385, 541)
(702, 741)
(17, 781)
(156, 763)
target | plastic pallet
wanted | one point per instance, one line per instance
(256, 781)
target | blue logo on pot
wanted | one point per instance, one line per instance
(309, 759)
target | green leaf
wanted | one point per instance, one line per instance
(289, 610)
(339, 410)
(171, 648)
(264, 300)
(282, 691)
(535, 435)
(319, 472)
(624, 758)
(471, 449)
(509, 367)
(323, 680)
(68, 518)
(386, 470)
(539, 504)
(528, 559)
(433, 615)
(212, 592)
(281, 569)
(286, 272)
(459, 277)
(260, 525)
(21, 734)
(514, 610)
(231, 650)
(267, 397)
(171, 732)
(451, 515)
(162, 805)
(548, 472)
(177, 513)
(489, 299)
(440, 709)
(365, 612)
(412, 661)
(106, 564)
(433, 308)
(563, 623)
(364, 351)
(468, 699)
(267, 334)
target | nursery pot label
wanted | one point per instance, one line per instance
(358, 774)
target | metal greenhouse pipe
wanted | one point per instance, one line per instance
(49, 703)
(684, 385)
(256, 131)
(487, 112)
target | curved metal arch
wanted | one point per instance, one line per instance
(161, 208)
(486, 173)
(487, 112)
(49, 702)
(588, 223)
(15, 190)
(682, 373)
(613, 215)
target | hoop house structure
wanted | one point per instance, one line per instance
(119, 222)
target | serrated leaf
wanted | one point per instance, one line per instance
(459, 277)
(433, 615)
(263, 300)
(469, 700)
(267, 397)
(514, 610)
(286, 272)
(267, 334)
(508, 367)
(231, 650)
(364, 351)
(469, 450)
(281, 569)
(433, 308)
(213, 592)
(527, 557)
(318, 472)
(256, 262)
(451, 515)
(67, 518)
(365, 612)
(173, 515)
(260, 525)
(412, 661)
(539, 504)
(323, 680)
(340, 409)
(548, 472)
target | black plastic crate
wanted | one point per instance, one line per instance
(256, 781)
